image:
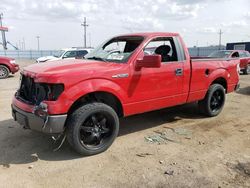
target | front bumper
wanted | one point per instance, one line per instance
(54, 125)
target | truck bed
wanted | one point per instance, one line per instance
(206, 69)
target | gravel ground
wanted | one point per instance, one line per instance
(181, 149)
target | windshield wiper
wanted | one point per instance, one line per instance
(96, 58)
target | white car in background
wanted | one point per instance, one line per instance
(68, 53)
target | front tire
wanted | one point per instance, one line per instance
(4, 72)
(246, 71)
(214, 101)
(92, 128)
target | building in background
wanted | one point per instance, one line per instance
(238, 46)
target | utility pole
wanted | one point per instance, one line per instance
(220, 33)
(38, 45)
(85, 25)
(3, 33)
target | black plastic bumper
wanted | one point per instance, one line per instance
(55, 124)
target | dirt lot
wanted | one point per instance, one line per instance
(195, 151)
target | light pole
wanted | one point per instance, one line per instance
(220, 33)
(85, 25)
(4, 43)
(38, 44)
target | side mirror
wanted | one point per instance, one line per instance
(149, 61)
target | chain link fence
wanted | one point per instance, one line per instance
(203, 51)
(26, 54)
(34, 54)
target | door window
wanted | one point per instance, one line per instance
(81, 53)
(235, 55)
(163, 46)
(70, 54)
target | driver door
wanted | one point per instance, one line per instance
(154, 88)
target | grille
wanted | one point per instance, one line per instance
(27, 90)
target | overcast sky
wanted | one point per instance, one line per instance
(58, 22)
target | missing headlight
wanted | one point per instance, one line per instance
(48, 92)
(34, 93)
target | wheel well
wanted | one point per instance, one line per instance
(103, 97)
(221, 81)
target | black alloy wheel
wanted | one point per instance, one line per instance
(96, 130)
(214, 101)
(92, 128)
(217, 100)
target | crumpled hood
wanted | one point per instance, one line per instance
(46, 58)
(70, 69)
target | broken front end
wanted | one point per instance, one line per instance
(30, 106)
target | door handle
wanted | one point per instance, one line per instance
(179, 72)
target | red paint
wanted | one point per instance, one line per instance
(13, 67)
(143, 89)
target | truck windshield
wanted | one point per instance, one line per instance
(118, 49)
(220, 54)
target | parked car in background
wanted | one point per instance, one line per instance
(243, 55)
(7, 66)
(68, 53)
(127, 75)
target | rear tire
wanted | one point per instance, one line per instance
(214, 101)
(92, 128)
(246, 71)
(4, 72)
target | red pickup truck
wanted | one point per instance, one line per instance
(243, 55)
(126, 75)
(7, 66)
